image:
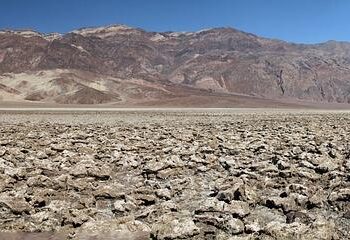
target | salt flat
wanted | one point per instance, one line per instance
(176, 173)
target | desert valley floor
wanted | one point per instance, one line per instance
(175, 174)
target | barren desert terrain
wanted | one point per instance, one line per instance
(127, 66)
(175, 174)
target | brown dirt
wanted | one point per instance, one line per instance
(177, 174)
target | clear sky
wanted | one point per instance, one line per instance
(306, 21)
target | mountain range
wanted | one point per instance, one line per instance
(123, 66)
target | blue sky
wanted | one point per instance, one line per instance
(306, 21)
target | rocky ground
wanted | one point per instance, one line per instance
(176, 175)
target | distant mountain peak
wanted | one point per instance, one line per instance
(118, 63)
(105, 31)
(24, 33)
(28, 33)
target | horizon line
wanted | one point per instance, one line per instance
(33, 29)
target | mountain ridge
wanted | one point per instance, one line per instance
(118, 64)
(170, 31)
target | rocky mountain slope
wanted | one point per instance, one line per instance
(122, 65)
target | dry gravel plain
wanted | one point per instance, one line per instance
(173, 174)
